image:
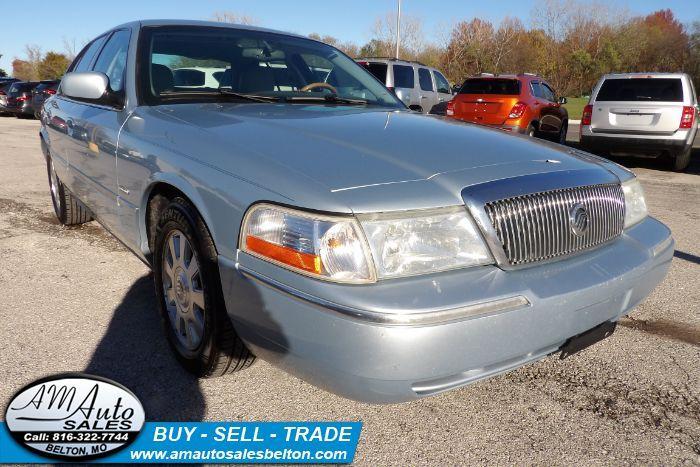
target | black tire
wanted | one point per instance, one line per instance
(561, 137)
(531, 131)
(68, 209)
(220, 351)
(682, 160)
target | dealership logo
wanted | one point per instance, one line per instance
(74, 416)
(578, 217)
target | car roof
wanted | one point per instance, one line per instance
(652, 74)
(215, 24)
(388, 60)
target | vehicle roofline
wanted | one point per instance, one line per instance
(650, 73)
(186, 22)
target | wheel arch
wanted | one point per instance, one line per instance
(155, 198)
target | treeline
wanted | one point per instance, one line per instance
(570, 43)
(38, 65)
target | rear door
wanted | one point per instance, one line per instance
(486, 100)
(405, 84)
(427, 94)
(638, 105)
(65, 137)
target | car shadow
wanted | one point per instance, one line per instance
(135, 353)
(650, 163)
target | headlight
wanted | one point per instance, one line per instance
(635, 204)
(326, 247)
(419, 242)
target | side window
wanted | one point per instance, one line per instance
(403, 76)
(85, 58)
(112, 59)
(443, 86)
(548, 93)
(424, 79)
(537, 89)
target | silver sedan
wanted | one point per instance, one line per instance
(292, 208)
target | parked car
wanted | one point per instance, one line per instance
(650, 114)
(40, 93)
(418, 86)
(376, 252)
(523, 103)
(4, 88)
(19, 98)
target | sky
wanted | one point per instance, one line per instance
(349, 20)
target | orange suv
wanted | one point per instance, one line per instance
(517, 103)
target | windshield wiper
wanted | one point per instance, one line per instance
(329, 98)
(219, 93)
(250, 97)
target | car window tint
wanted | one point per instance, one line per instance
(537, 89)
(188, 77)
(89, 52)
(112, 59)
(548, 92)
(426, 83)
(377, 69)
(641, 90)
(443, 85)
(403, 76)
(509, 87)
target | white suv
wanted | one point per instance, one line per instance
(650, 114)
(418, 86)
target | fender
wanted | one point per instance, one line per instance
(181, 184)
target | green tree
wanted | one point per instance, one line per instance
(53, 65)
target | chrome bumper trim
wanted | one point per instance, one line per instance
(428, 318)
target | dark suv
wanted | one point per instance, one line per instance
(43, 91)
(5, 84)
(19, 98)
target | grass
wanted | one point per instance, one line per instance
(574, 106)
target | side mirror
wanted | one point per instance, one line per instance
(90, 86)
(562, 100)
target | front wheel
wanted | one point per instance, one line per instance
(189, 295)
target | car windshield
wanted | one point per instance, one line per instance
(641, 89)
(491, 86)
(191, 63)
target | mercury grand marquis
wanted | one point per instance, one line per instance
(297, 211)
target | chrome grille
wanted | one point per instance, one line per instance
(538, 226)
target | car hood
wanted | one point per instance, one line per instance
(349, 150)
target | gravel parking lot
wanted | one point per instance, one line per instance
(76, 300)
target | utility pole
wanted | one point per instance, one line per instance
(398, 28)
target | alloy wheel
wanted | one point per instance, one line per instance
(183, 291)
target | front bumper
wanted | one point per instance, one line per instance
(306, 326)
